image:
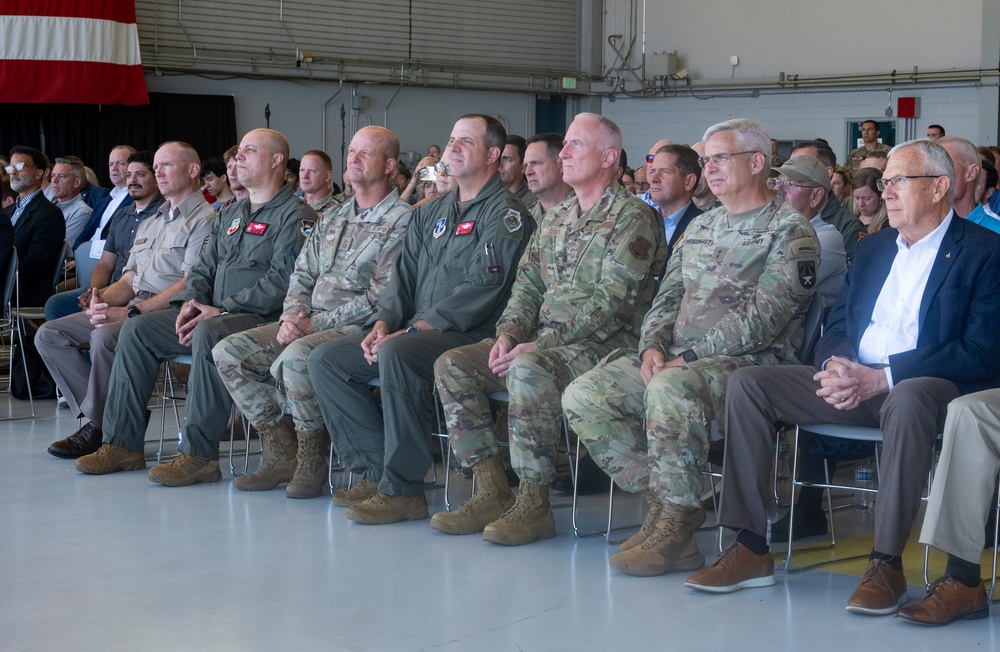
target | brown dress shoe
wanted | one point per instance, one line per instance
(84, 441)
(882, 591)
(948, 600)
(736, 568)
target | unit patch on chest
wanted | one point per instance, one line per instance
(256, 228)
(234, 226)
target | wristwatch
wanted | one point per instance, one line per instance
(412, 329)
(133, 311)
(689, 356)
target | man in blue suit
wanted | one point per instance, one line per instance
(887, 360)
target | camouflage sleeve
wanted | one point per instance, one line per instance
(528, 293)
(395, 305)
(633, 255)
(265, 296)
(658, 325)
(359, 309)
(785, 286)
(303, 279)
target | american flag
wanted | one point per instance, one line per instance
(70, 51)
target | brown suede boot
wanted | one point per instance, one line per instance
(671, 545)
(530, 519)
(652, 516)
(280, 447)
(492, 498)
(311, 469)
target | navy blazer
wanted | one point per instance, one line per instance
(39, 237)
(682, 225)
(959, 336)
(95, 218)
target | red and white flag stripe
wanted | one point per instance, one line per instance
(70, 51)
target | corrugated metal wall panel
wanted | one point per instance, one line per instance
(519, 34)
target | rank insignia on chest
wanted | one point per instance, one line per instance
(465, 228)
(439, 227)
(807, 274)
(256, 228)
(234, 226)
(512, 220)
(307, 227)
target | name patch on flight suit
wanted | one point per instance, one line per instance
(256, 228)
(439, 227)
(465, 228)
(307, 227)
(234, 226)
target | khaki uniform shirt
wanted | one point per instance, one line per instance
(165, 247)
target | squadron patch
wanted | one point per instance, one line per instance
(509, 225)
(234, 226)
(307, 227)
(256, 228)
(512, 220)
(807, 273)
(439, 227)
(640, 247)
(465, 228)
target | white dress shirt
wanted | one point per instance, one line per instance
(895, 323)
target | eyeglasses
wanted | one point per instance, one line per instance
(902, 180)
(775, 184)
(719, 159)
(442, 168)
(16, 166)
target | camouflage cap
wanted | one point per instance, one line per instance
(805, 168)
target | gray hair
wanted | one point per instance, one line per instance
(750, 136)
(610, 134)
(934, 159)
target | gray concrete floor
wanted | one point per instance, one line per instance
(118, 563)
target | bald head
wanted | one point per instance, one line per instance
(386, 141)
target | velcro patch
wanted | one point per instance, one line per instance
(256, 228)
(307, 227)
(807, 274)
(234, 226)
(640, 247)
(465, 228)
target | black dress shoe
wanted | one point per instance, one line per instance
(807, 524)
(84, 441)
(590, 479)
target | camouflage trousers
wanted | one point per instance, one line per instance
(535, 382)
(261, 374)
(604, 408)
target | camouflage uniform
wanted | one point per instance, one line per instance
(734, 293)
(857, 155)
(339, 275)
(327, 203)
(581, 290)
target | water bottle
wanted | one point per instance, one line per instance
(783, 472)
(864, 478)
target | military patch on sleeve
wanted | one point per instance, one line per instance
(307, 227)
(640, 247)
(807, 274)
(234, 226)
(510, 224)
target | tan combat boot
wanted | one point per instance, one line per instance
(671, 545)
(652, 516)
(492, 498)
(530, 519)
(311, 470)
(280, 448)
